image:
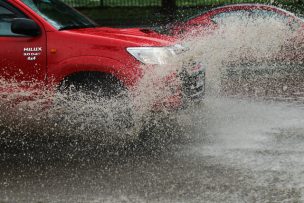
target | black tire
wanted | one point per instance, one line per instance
(98, 87)
(93, 84)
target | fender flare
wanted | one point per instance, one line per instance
(127, 73)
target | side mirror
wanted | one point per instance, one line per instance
(25, 26)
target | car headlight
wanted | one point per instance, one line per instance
(154, 55)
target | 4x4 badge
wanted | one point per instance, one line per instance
(32, 53)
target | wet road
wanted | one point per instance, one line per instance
(227, 150)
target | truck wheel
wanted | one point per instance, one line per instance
(92, 84)
(103, 88)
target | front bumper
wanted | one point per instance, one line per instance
(186, 87)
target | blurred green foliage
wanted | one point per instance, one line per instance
(151, 3)
(125, 13)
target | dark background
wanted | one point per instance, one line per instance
(129, 13)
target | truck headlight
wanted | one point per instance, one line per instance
(154, 55)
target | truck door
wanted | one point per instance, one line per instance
(22, 58)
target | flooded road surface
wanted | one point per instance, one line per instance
(228, 150)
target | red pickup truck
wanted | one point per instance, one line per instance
(51, 44)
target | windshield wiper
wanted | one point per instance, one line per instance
(69, 27)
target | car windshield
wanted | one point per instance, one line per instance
(58, 14)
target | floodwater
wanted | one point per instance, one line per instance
(235, 150)
(243, 145)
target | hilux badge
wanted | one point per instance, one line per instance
(32, 53)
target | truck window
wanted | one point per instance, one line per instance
(6, 17)
(59, 15)
(7, 14)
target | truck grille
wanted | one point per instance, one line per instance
(194, 82)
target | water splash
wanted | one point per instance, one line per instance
(247, 50)
(237, 45)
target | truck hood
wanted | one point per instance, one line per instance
(136, 36)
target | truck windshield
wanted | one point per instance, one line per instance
(58, 14)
